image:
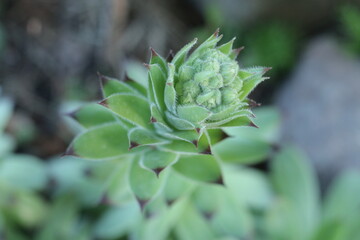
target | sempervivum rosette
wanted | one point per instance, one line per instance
(173, 119)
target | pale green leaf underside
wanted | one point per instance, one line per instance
(132, 108)
(202, 168)
(102, 142)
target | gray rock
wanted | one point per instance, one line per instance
(321, 107)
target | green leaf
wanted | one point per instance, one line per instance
(207, 44)
(249, 84)
(202, 168)
(179, 123)
(249, 187)
(242, 150)
(7, 144)
(177, 186)
(157, 59)
(131, 108)
(143, 183)
(157, 161)
(117, 221)
(102, 142)
(268, 121)
(227, 47)
(193, 113)
(170, 93)
(193, 226)
(343, 198)
(157, 81)
(23, 172)
(112, 86)
(140, 137)
(295, 181)
(158, 120)
(137, 72)
(180, 56)
(92, 115)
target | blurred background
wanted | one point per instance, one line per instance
(50, 51)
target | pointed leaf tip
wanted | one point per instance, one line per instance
(207, 151)
(224, 135)
(196, 143)
(104, 103)
(153, 120)
(142, 203)
(133, 145)
(69, 152)
(153, 53)
(266, 70)
(216, 33)
(146, 65)
(71, 114)
(253, 104)
(170, 56)
(157, 171)
(197, 130)
(251, 124)
(220, 181)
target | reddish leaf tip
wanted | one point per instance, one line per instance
(207, 151)
(267, 69)
(153, 53)
(197, 130)
(158, 170)
(146, 65)
(104, 103)
(142, 203)
(69, 152)
(251, 124)
(153, 120)
(133, 145)
(169, 83)
(224, 135)
(253, 104)
(216, 33)
(196, 143)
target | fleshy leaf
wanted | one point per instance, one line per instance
(102, 142)
(193, 113)
(143, 183)
(296, 183)
(170, 93)
(158, 120)
(227, 47)
(157, 80)
(140, 136)
(6, 108)
(157, 161)
(132, 108)
(180, 56)
(92, 115)
(179, 123)
(202, 168)
(176, 186)
(242, 150)
(157, 59)
(111, 86)
(209, 43)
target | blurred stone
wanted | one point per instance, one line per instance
(320, 106)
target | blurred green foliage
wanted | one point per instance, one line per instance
(350, 19)
(70, 198)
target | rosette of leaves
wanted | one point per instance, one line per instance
(172, 118)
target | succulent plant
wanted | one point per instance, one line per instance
(173, 117)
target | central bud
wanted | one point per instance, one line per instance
(209, 79)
